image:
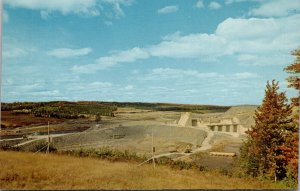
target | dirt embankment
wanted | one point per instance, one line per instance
(136, 138)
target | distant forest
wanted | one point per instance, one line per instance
(72, 110)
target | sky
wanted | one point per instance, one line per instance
(175, 51)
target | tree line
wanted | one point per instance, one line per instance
(65, 110)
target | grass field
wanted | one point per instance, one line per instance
(40, 171)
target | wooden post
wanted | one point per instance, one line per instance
(48, 146)
(153, 150)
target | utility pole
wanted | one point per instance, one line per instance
(153, 150)
(48, 146)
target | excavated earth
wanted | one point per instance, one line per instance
(136, 130)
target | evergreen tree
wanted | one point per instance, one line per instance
(290, 148)
(294, 79)
(261, 154)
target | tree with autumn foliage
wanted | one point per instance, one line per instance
(290, 148)
(263, 153)
(294, 79)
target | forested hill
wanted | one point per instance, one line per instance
(111, 106)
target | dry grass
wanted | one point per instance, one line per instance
(39, 171)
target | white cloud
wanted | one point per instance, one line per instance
(116, 5)
(269, 37)
(129, 87)
(253, 41)
(168, 9)
(30, 87)
(99, 85)
(239, 1)
(186, 74)
(214, 5)
(13, 48)
(48, 93)
(276, 8)
(91, 86)
(85, 7)
(245, 75)
(14, 52)
(88, 8)
(110, 61)
(69, 53)
(45, 14)
(5, 16)
(265, 60)
(120, 2)
(248, 28)
(261, 36)
(170, 73)
(190, 46)
(200, 4)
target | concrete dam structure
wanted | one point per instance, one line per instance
(236, 121)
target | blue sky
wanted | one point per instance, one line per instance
(192, 51)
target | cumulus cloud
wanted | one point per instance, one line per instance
(261, 35)
(69, 53)
(89, 8)
(86, 7)
(190, 46)
(248, 28)
(276, 8)
(264, 39)
(200, 4)
(253, 41)
(110, 61)
(214, 5)
(168, 9)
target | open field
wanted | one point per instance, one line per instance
(10, 119)
(39, 125)
(39, 171)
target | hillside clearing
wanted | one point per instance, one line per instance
(21, 170)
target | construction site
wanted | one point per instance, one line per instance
(213, 139)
